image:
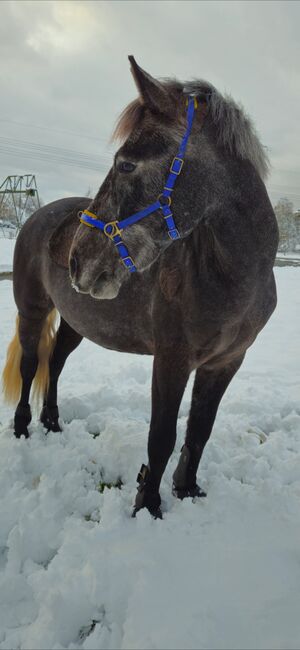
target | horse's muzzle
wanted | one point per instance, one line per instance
(106, 286)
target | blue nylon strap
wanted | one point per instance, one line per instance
(92, 221)
(190, 117)
(175, 170)
(168, 217)
(177, 163)
(121, 246)
(139, 215)
(124, 254)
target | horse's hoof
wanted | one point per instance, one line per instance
(156, 513)
(21, 420)
(183, 493)
(145, 498)
(21, 431)
(49, 418)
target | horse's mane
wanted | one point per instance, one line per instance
(235, 129)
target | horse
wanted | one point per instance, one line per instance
(189, 281)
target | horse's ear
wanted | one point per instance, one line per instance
(61, 240)
(152, 92)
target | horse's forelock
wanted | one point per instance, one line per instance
(129, 120)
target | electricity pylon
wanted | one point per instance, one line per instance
(19, 197)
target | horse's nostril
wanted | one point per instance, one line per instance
(102, 280)
(73, 265)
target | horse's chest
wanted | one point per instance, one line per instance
(109, 323)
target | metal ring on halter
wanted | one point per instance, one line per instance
(115, 230)
(167, 200)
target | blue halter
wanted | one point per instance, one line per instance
(113, 229)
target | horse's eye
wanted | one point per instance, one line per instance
(126, 167)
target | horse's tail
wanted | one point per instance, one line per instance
(12, 379)
(46, 346)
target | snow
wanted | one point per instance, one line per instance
(6, 254)
(76, 571)
(295, 255)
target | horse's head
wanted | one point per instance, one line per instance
(151, 129)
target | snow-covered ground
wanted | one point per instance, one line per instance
(6, 253)
(77, 572)
(289, 256)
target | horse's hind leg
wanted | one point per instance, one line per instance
(29, 334)
(209, 388)
(67, 340)
(27, 360)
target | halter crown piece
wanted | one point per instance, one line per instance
(113, 229)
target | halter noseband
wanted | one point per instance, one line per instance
(113, 229)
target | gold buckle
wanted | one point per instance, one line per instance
(85, 223)
(195, 102)
(115, 229)
(88, 214)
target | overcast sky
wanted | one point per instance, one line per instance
(65, 78)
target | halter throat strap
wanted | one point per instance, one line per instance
(113, 229)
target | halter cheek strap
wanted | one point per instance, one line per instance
(113, 230)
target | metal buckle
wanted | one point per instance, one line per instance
(181, 161)
(82, 214)
(86, 223)
(131, 262)
(115, 230)
(195, 98)
(174, 230)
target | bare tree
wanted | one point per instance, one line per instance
(284, 211)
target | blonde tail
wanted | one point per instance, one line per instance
(45, 349)
(11, 378)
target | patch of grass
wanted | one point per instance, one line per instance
(102, 485)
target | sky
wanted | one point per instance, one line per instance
(65, 78)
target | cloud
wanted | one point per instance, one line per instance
(64, 68)
(68, 20)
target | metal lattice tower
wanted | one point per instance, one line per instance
(19, 197)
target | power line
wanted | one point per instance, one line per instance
(47, 128)
(53, 149)
(54, 159)
(14, 147)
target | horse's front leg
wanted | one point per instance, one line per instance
(170, 375)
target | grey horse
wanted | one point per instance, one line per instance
(195, 303)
